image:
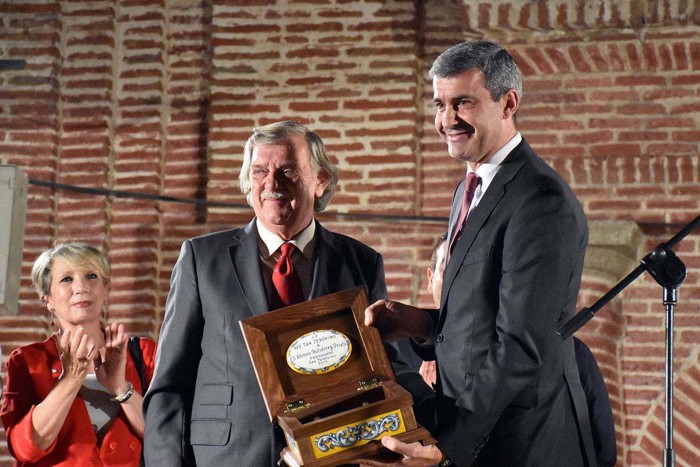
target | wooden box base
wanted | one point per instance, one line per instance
(327, 437)
(333, 405)
(364, 452)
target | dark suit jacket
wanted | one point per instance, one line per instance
(506, 380)
(32, 372)
(204, 405)
(599, 408)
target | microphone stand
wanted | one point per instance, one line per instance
(670, 272)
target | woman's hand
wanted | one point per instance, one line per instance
(111, 371)
(76, 350)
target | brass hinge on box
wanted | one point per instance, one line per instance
(296, 406)
(369, 383)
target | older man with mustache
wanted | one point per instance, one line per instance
(204, 406)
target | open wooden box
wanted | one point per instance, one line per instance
(326, 379)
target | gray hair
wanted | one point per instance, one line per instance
(501, 73)
(279, 132)
(76, 254)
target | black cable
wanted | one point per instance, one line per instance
(130, 194)
(218, 204)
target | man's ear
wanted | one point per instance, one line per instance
(510, 101)
(322, 181)
(430, 273)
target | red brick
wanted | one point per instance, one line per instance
(614, 115)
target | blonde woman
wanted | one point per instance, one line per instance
(75, 398)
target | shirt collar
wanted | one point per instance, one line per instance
(303, 241)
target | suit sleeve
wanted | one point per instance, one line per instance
(168, 403)
(376, 283)
(537, 280)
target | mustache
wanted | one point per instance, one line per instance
(271, 195)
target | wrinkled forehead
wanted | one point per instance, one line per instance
(291, 149)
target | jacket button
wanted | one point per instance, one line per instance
(439, 337)
(113, 445)
(132, 445)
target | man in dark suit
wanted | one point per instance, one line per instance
(204, 406)
(508, 389)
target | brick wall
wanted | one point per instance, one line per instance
(158, 98)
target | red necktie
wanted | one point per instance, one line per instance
(472, 181)
(285, 278)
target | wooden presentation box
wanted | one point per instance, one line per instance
(326, 379)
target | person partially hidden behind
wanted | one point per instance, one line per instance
(428, 368)
(508, 392)
(434, 274)
(75, 398)
(204, 406)
(599, 407)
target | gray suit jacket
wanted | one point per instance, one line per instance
(506, 380)
(204, 405)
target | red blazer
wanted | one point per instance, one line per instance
(32, 372)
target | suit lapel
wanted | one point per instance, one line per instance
(479, 215)
(330, 271)
(246, 268)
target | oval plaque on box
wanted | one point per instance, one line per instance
(319, 352)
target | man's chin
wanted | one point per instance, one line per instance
(460, 152)
(458, 155)
(275, 220)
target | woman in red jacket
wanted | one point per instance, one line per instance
(75, 399)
